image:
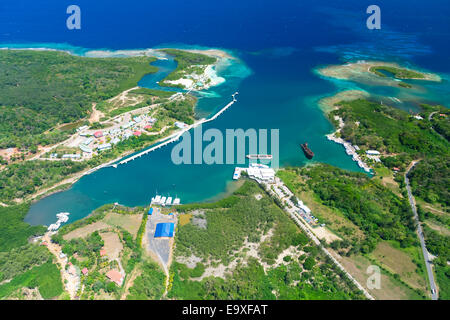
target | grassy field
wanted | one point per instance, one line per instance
(46, 278)
(399, 262)
(391, 288)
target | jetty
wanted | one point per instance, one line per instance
(176, 136)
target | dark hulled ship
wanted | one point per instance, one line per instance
(307, 151)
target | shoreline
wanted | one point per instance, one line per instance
(210, 73)
(158, 144)
(359, 71)
(329, 104)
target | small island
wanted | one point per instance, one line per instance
(376, 73)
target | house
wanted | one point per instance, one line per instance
(180, 125)
(137, 133)
(373, 152)
(72, 270)
(137, 119)
(115, 276)
(102, 252)
(148, 127)
(98, 134)
(85, 271)
(82, 128)
(85, 148)
(71, 156)
(103, 147)
(396, 169)
(115, 141)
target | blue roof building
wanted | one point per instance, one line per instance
(164, 230)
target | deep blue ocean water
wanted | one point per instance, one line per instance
(279, 45)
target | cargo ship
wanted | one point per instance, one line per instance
(307, 151)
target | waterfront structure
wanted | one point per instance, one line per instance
(105, 146)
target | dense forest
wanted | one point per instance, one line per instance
(39, 89)
(24, 264)
(387, 129)
(430, 180)
(375, 209)
(14, 232)
(226, 226)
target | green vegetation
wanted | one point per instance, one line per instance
(227, 227)
(24, 178)
(400, 73)
(443, 279)
(19, 180)
(181, 110)
(387, 129)
(187, 63)
(153, 92)
(375, 209)
(14, 232)
(231, 221)
(40, 89)
(46, 278)
(21, 259)
(404, 85)
(430, 180)
(149, 285)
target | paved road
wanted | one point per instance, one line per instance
(434, 293)
(292, 210)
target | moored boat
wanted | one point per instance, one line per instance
(307, 151)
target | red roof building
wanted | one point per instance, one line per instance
(115, 276)
(102, 252)
(396, 169)
(137, 133)
(147, 127)
(98, 134)
(85, 271)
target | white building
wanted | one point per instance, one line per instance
(261, 172)
(373, 152)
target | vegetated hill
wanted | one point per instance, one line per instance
(430, 180)
(388, 129)
(187, 63)
(261, 252)
(39, 89)
(374, 208)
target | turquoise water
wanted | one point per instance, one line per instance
(279, 47)
(267, 100)
(275, 92)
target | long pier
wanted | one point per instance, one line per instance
(176, 136)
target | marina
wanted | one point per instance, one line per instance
(63, 217)
(164, 201)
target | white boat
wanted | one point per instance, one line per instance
(156, 200)
(169, 201)
(62, 214)
(176, 201)
(163, 201)
(236, 174)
